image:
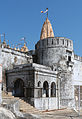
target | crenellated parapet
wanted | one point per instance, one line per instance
(3, 45)
(55, 42)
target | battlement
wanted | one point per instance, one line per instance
(23, 49)
(55, 42)
(15, 52)
(76, 57)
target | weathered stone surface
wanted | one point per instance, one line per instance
(6, 114)
(10, 57)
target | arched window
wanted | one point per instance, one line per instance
(39, 89)
(53, 89)
(67, 42)
(52, 41)
(39, 84)
(45, 89)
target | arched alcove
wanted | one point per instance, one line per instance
(39, 84)
(53, 89)
(18, 90)
(46, 89)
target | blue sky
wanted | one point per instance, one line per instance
(19, 18)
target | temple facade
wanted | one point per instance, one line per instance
(49, 77)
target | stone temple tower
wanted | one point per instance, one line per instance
(50, 49)
(57, 53)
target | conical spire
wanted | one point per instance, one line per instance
(47, 31)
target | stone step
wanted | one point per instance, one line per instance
(24, 106)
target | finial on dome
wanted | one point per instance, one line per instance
(15, 48)
(24, 48)
(47, 31)
(8, 46)
(18, 49)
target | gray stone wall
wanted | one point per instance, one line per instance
(49, 51)
(31, 74)
(9, 58)
(66, 90)
(77, 71)
(58, 54)
(26, 74)
(44, 74)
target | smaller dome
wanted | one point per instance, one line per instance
(18, 49)
(8, 46)
(24, 48)
(4, 42)
(15, 48)
(47, 31)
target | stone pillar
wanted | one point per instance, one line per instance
(49, 91)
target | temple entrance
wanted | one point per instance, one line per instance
(18, 90)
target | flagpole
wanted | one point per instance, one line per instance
(47, 14)
(47, 24)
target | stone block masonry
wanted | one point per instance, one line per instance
(10, 57)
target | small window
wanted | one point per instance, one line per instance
(69, 58)
(57, 41)
(39, 84)
(43, 43)
(67, 42)
(55, 70)
(63, 41)
(47, 41)
(52, 41)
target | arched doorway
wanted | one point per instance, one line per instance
(45, 89)
(53, 89)
(18, 90)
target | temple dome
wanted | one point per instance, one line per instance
(24, 48)
(47, 31)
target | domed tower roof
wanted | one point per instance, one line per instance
(47, 31)
(24, 48)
